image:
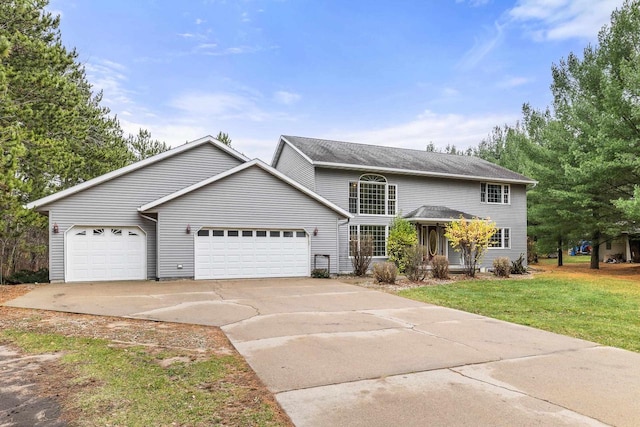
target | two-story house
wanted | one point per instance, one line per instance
(202, 210)
(376, 183)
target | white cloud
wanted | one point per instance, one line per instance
(449, 92)
(563, 19)
(200, 21)
(109, 77)
(463, 131)
(226, 106)
(512, 82)
(286, 98)
(483, 46)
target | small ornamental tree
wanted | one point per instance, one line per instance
(402, 236)
(471, 237)
(361, 250)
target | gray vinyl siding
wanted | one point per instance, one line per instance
(292, 164)
(250, 199)
(115, 202)
(415, 191)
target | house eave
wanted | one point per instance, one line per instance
(346, 166)
(133, 167)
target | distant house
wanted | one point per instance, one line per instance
(204, 211)
(623, 248)
(376, 183)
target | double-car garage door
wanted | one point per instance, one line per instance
(238, 253)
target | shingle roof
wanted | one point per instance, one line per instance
(324, 152)
(436, 212)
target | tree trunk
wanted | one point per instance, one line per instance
(595, 251)
(559, 251)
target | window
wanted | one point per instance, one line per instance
(116, 231)
(261, 233)
(217, 233)
(301, 234)
(247, 233)
(98, 231)
(494, 193)
(287, 234)
(372, 195)
(232, 233)
(203, 233)
(274, 233)
(377, 232)
(501, 239)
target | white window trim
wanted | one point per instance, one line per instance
(502, 246)
(486, 195)
(386, 238)
(386, 196)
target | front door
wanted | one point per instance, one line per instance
(430, 239)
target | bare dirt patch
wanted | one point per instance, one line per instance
(49, 380)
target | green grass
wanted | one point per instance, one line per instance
(603, 310)
(127, 386)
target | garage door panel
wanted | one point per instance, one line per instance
(105, 253)
(248, 253)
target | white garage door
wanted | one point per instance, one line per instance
(237, 253)
(105, 253)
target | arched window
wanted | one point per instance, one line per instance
(372, 195)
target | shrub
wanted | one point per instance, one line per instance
(320, 273)
(502, 266)
(471, 238)
(416, 268)
(361, 253)
(518, 267)
(402, 236)
(385, 272)
(440, 267)
(28, 276)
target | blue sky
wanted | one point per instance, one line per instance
(400, 73)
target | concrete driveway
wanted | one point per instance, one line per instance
(341, 355)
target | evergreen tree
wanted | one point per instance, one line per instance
(53, 130)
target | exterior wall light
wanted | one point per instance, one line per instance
(315, 232)
(55, 228)
(188, 229)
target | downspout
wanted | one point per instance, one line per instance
(338, 242)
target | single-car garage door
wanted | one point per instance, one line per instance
(105, 253)
(237, 253)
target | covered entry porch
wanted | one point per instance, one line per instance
(430, 223)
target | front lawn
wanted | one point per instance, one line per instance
(594, 307)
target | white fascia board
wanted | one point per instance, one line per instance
(303, 189)
(433, 219)
(282, 142)
(135, 166)
(255, 162)
(422, 173)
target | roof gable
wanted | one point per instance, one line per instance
(230, 172)
(136, 166)
(349, 155)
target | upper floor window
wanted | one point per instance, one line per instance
(494, 193)
(372, 195)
